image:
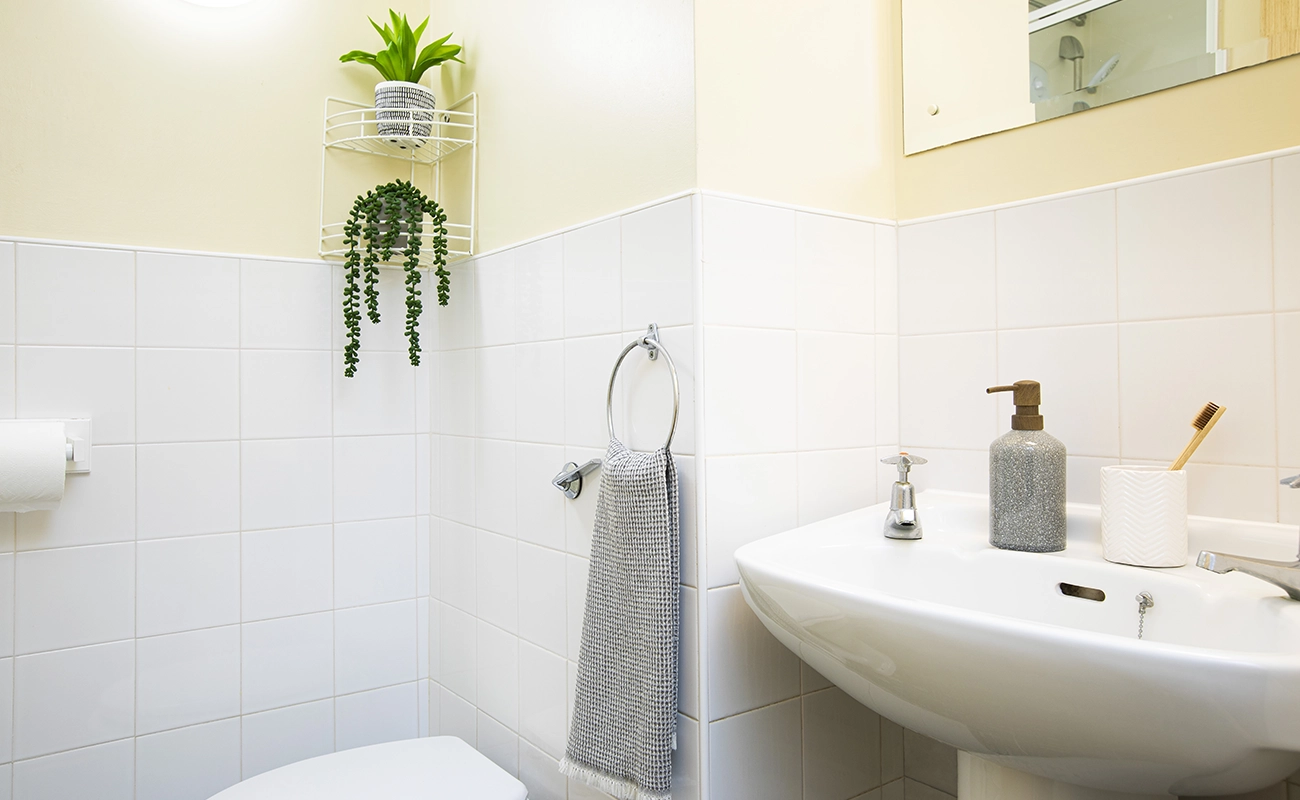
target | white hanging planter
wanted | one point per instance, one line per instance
(404, 110)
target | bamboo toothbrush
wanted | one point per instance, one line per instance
(1204, 421)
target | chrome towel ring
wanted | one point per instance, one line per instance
(570, 478)
(651, 343)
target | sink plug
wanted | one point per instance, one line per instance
(902, 522)
(1144, 601)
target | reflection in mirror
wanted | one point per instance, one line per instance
(1081, 54)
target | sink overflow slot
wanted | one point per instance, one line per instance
(1085, 592)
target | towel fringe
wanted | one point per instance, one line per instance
(618, 788)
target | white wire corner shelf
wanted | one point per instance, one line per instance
(420, 137)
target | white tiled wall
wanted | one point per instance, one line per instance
(192, 613)
(1133, 306)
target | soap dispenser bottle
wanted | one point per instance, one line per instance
(1026, 479)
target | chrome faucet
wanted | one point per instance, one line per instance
(1283, 574)
(902, 522)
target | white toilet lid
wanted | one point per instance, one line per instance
(437, 768)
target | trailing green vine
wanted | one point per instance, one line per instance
(379, 218)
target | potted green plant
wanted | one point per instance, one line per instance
(385, 219)
(403, 106)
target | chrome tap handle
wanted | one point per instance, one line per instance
(1293, 481)
(905, 461)
(902, 522)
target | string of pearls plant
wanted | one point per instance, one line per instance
(381, 219)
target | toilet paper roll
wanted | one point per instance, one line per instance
(33, 462)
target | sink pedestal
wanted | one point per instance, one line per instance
(979, 779)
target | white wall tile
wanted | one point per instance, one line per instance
(74, 596)
(688, 497)
(382, 715)
(498, 743)
(73, 698)
(658, 265)
(494, 493)
(458, 656)
(186, 301)
(7, 287)
(275, 738)
(686, 760)
(1288, 388)
(457, 717)
(186, 489)
(835, 274)
(456, 320)
(188, 764)
(285, 305)
(456, 393)
(1056, 262)
(1079, 370)
(186, 584)
(1286, 238)
(887, 388)
(1083, 478)
(187, 395)
(647, 390)
(8, 376)
(423, 474)
(542, 597)
(97, 508)
(374, 477)
(374, 562)
(498, 581)
(284, 393)
(543, 706)
(105, 772)
(1168, 370)
(424, 375)
(748, 668)
(186, 678)
(498, 675)
(285, 482)
(457, 565)
(287, 661)
(1235, 492)
(946, 275)
(75, 295)
(749, 397)
(1177, 236)
(688, 642)
(587, 365)
(541, 774)
(756, 756)
(98, 383)
(748, 254)
(747, 499)
(575, 587)
(379, 399)
(946, 404)
(374, 646)
(539, 392)
(1288, 501)
(886, 279)
(592, 294)
(457, 478)
(539, 290)
(834, 482)
(539, 507)
(954, 470)
(841, 746)
(836, 390)
(495, 376)
(494, 286)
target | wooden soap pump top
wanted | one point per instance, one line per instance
(1027, 395)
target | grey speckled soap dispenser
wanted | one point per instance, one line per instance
(1026, 479)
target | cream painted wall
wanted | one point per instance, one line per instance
(795, 102)
(162, 123)
(587, 107)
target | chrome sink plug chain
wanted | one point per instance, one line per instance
(1144, 601)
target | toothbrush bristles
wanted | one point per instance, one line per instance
(1203, 418)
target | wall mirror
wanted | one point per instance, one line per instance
(972, 67)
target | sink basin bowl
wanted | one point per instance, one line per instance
(996, 653)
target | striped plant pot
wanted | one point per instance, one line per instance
(404, 110)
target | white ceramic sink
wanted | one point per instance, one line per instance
(981, 649)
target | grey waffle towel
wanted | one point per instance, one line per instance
(625, 705)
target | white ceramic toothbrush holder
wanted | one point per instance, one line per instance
(1144, 516)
